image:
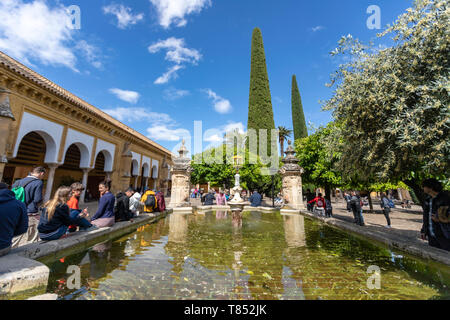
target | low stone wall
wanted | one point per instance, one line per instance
(246, 208)
(393, 241)
(19, 272)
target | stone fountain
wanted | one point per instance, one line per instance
(291, 174)
(181, 182)
(237, 204)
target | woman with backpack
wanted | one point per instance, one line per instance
(55, 217)
(385, 205)
(149, 201)
(320, 204)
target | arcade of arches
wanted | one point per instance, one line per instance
(41, 124)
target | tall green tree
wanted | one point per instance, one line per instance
(298, 116)
(283, 134)
(260, 113)
(318, 161)
(394, 101)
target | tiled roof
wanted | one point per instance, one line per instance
(52, 87)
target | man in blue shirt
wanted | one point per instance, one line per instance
(13, 218)
(255, 199)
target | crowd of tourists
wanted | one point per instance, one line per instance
(436, 211)
(24, 218)
(222, 197)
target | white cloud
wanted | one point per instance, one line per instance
(123, 14)
(163, 128)
(317, 28)
(174, 11)
(126, 95)
(174, 94)
(34, 31)
(171, 73)
(176, 51)
(221, 105)
(239, 126)
(139, 115)
(90, 52)
(165, 133)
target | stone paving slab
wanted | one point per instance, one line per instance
(19, 274)
(404, 234)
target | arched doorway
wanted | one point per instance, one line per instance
(134, 173)
(96, 176)
(31, 153)
(70, 171)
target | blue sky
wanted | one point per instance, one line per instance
(160, 65)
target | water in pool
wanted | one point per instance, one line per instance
(261, 256)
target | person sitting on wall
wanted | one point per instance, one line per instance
(55, 217)
(104, 217)
(209, 198)
(135, 200)
(149, 201)
(255, 199)
(221, 199)
(122, 207)
(13, 218)
(73, 203)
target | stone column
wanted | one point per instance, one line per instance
(136, 178)
(291, 174)
(145, 182)
(6, 118)
(181, 177)
(51, 175)
(84, 183)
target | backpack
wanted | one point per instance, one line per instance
(391, 203)
(320, 203)
(19, 191)
(150, 202)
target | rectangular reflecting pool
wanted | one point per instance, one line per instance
(256, 256)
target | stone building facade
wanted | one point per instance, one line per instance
(42, 124)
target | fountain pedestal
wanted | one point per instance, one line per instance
(291, 174)
(181, 182)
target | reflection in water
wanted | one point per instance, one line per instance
(245, 256)
(220, 215)
(294, 230)
(236, 220)
(178, 227)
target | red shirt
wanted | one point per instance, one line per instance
(73, 203)
(319, 200)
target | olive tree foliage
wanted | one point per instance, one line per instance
(393, 102)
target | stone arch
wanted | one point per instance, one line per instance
(135, 168)
(49, 131)
(108, 160)
(145, 170)
(84, 142)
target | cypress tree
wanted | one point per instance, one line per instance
(260, 113)
(298, 117)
